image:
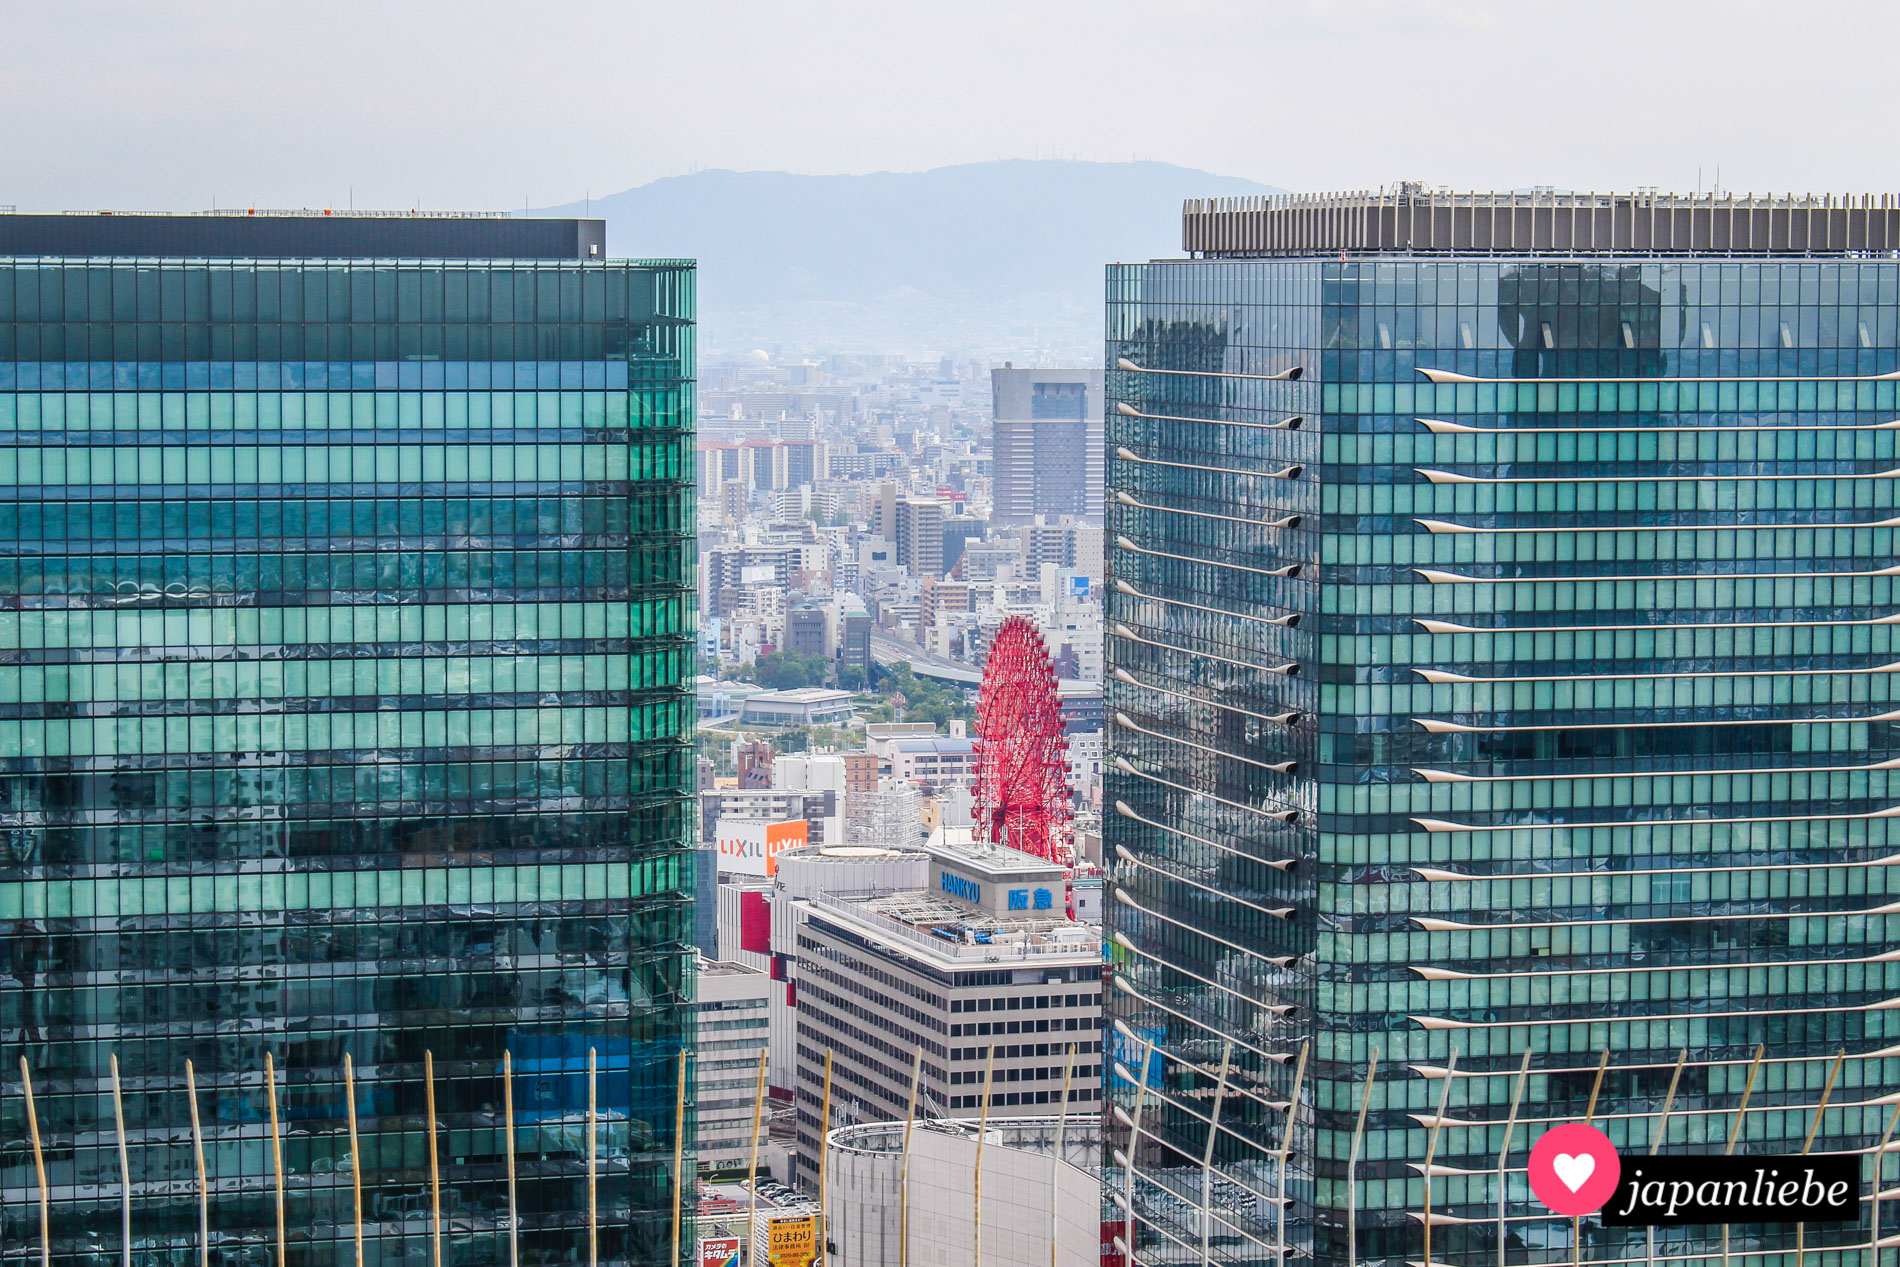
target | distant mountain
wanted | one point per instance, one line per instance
(983, 257)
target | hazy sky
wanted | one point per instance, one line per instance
(481, 104)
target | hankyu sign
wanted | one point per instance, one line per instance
(719, 1251)
(956, 886)
(751, 847)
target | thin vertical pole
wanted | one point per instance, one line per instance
(1656, 1142)
(1352, 1164)
(276, 1152)
(1504, 1150)
(125, 1168)
(1880, 1161)
(1431, 1148)
(1827, 1089)
(435, 1168)
(508, 1146)
(1286, 1147)
(1735, 1131)
(976, 1187)
(824, 1151)
(198, 1155)
(1134, 1145)
(1055, 1167)
(1589, 1114)
(593, 1167)
(679, 1157)
(356, 1158)
(752, 1167)
(39, 1168)
(903, 1165)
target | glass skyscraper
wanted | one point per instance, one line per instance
(346, 622)
(1501, 661)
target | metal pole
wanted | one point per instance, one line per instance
(976, 1186)
(356, 1159)
(1134, 1145)
(593, 1168)
(1352, 1164)
(1431, 1149)
(1827, 1089)
(1880, 1161)
(1207, 1156)
(1286, 1147)
(204, 1184)
(1504, 1151)
(1662, 1133)
(679, 1157)
(276, 1151)
(824, 1150)
(435, 1169)
(903, 1165)
(1576, 1224)
(39, 1167)
(1055, 1167)
(1735, 1131)
(508, 1145)
(752, 1167)
(125, 1168)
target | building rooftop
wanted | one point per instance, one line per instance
(958, 845)
(802, 695)
(1411, 219)
(304, 234)
(959, 934)
(724, 968)
(946, 746)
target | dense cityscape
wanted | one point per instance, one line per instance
(683, 728)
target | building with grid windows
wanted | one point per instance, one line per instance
(982, 970)
(1501, 596)
(1047, 441)
(346, 619)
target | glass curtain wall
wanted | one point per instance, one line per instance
(1587, 711)
(346, 626)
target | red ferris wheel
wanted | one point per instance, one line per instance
(1022, 788)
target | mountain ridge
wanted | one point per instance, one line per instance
(974, 258)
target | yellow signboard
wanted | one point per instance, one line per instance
(792, 1242)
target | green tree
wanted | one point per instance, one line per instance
(787, 670)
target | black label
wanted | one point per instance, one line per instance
(1669, 1191)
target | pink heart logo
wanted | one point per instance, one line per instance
(1574, 1169)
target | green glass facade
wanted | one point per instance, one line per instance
(1567, 732)
(346, 624)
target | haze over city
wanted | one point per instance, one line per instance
(1193, 634)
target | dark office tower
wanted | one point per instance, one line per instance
(1046, 444)
(1501, 668)
(345, 656)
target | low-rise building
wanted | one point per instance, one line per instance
(980, 969)
(806, 706)
(1041, 1192)
(934, 762)
(819, 808)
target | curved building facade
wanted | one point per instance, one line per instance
(1501, 696)
(1041, 1194)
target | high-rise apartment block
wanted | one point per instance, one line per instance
(1047, 445)
(919, 536)
(345, 649)
(1501, 669)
